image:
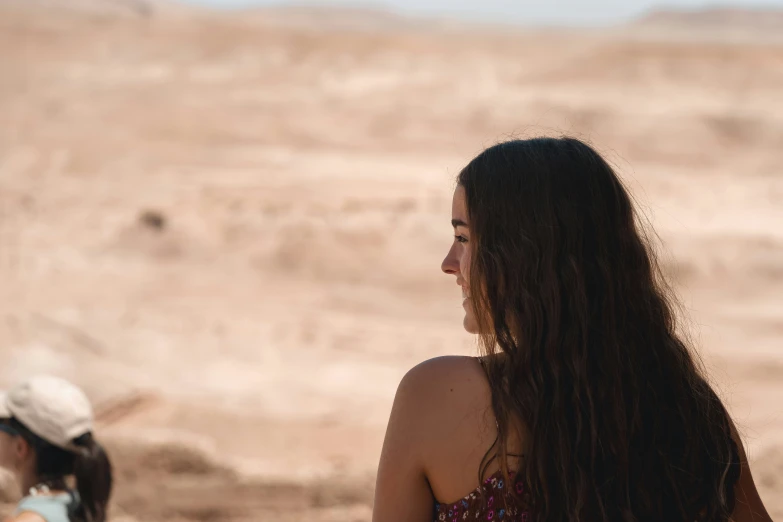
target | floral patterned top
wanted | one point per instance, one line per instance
(498, 503)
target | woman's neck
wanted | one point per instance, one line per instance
(26, 481)
(30, 482)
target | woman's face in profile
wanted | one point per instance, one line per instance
(457, 261)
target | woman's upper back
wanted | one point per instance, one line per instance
(441, 428)
(457, 424)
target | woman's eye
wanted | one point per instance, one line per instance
(461, 239)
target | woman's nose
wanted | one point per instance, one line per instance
(450, 264)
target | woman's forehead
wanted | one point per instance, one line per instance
(459, 207)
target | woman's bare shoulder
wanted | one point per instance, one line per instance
(447, 365)
(447, 406)
(445, 381)
(443, 396)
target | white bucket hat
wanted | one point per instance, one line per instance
(51, 408)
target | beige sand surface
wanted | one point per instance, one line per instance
(228, 228)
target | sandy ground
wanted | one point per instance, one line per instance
(228, 228)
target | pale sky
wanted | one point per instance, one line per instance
(568, 12)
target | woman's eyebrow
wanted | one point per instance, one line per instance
(458, 223)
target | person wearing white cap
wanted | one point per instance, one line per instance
(46, 440)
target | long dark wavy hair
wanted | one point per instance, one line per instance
(577, 326)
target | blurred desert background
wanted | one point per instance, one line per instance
(227, 226)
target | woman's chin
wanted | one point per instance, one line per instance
(470, 325)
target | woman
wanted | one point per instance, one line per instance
(46, 440)
(587, 404)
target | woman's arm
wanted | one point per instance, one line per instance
(748, 507)
(402, 492)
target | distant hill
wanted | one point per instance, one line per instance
(767, 20)
(110, 8)
(346, 17)
(295, 15)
